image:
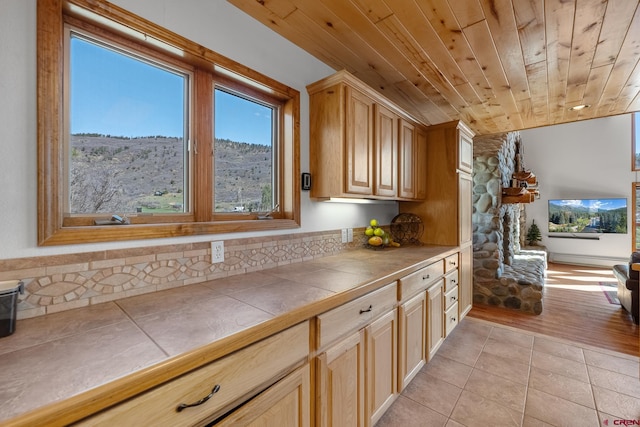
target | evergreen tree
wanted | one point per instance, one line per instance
(533, 235)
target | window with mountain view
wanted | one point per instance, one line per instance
(127, 139)
(140, 122)
(635, 137)
(244, 153)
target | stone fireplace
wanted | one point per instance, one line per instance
(504, 273)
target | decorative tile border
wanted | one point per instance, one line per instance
(63, 282)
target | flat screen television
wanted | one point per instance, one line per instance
(606, 215)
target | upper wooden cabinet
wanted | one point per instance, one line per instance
(447, 209)
(386, 149)
(465, 148)
(361, 145)
(358, 143)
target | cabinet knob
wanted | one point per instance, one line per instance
(367, 310)
(214, 390)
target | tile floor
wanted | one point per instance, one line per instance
(489, 375)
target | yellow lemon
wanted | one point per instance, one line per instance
(378, 232)
(375, 241)
(373, 222)
(368, 231)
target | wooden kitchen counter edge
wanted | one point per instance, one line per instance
(82, 405)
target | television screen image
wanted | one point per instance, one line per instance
(588, 215)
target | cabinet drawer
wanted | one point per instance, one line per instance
(355, 314)
(451, 263)
(451, 280)
(420, 280)
(238, 375)
(451, 318)
(450, 298)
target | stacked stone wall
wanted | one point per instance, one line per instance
(503, 274)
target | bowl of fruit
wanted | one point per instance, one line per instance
(377, 237)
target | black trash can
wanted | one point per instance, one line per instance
(9, 305)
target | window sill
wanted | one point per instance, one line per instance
(110, 233)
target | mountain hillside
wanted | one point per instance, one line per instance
(118, 174)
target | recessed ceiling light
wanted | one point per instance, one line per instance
(579, 107)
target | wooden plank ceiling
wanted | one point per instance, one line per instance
(498, 65)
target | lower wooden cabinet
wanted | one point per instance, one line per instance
(357, 377)
(381, 365)
(412, 335)
(284, 404)
(450, 319)
(340, 389)
(435, 312)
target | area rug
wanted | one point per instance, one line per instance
(610, 290)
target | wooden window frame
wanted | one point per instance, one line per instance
(54, 228)
(635, 140)
(634, 187)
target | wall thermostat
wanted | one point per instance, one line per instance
(306, 181)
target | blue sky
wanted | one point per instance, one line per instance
(117, 95)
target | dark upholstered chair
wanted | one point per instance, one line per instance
(628, 284)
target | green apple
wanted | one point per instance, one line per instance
(378, 232)
(373, 222)
(369, 231)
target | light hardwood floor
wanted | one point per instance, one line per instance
(576, 309)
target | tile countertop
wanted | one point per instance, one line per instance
(54, 364)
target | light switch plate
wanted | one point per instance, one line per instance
(344, 235)
(217, 252)
(349, 235)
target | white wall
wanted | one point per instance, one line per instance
(587, 159)
(215, 24)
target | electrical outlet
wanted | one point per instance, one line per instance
(217, 252)
(349, 235)
(344, 235)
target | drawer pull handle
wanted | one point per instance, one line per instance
(182, 406)
(425, 277)
(453, 298)
(367, 310)
(452, 262)
(453, 281)
(453, 319)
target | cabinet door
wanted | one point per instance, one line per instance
(406, 172)
(420, 163)
(465, 280)
(435, 315)
(359, 143)
(286, 403)
(465, 208)
(465, 149)
(381, 379)
(340, 381)
(386, 147)
(412, 353)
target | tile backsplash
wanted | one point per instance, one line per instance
(63, 282)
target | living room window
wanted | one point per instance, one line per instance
(137, 122)
(635, 207)
(635, 138)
